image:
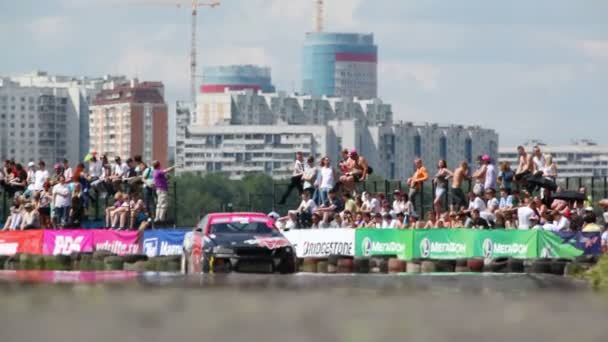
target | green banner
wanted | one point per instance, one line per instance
(551, 245)
(443, 243)
(521, 244)
(370, 242)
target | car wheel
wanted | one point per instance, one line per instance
(287, 265)
(206, 263)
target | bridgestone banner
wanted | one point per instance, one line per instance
(322, 242)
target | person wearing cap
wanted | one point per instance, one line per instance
(296, 178)
(417, 180)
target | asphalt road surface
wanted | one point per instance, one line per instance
(436, 308)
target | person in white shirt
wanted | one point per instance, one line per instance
(41, 176)
(561, 222)
(525, 213)
(288, 222)
(61, 201)
(327, 179)
(490, 174)
(310, 175)
(491, 206)
(538, 159)
(95, 168)
(370, 203)
(296, 177)
(307, 206)
(388, 222)
(31, 171)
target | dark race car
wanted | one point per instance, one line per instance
(242, 242)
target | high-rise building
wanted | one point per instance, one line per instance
(340, 65)
(216, 79)
(46, 116)
(131, 119)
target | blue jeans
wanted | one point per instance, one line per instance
(61, 215)
(323, 195)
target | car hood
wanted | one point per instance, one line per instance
(270, 241)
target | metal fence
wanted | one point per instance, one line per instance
(266, 200)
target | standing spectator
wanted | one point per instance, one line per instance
(480, 177)
(68, 173)
(296, 178)
(31, 217)
(162, 189)
(133, 180)
(525, 213)
(31, 171)
(459, 200)
(310, 176)
(441, 184)
(119, 173)
(417, 180)
(44, 199)
(18, 181)
(505, 176)
(61, 202)
(327, 179)
(58, 172)
(490, 173)
(76, 212)
(41, 176)
(357, 171)
(147, 174)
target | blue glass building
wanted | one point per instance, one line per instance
(340, 64)
(236, 77)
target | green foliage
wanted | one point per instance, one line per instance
(598, 274)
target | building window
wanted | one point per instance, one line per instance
(468, 150)
(418, 146)
(443, 147)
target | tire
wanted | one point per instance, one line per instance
(558, 266)
(461, 269)
(587, 259)
(475, 264)
(345, 265)
(396, 265)
(461, 262)
(427, 266)
(288, 265)
(333, 259)
(309, 265)
(137, 257)
(542, 265)
(445, 265)
(498, 265)
(413, 266)
(374, 264)
(322, 266)
(332, 269)
(113, 263)
(361, 265)
(100, 255)
(515, 265)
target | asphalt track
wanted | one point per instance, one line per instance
(304, 307)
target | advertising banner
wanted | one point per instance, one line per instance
(521, 244)
(163, 242)
(322, 242)
(117, 242)
(370, 242)
(568, 245)
(28, 241)
(443, 243)
(66, 242)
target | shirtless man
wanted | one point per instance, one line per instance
(356, 171)
(525, 168)
(458, 198)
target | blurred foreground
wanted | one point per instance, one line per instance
(153, 307)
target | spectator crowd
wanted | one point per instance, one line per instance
(61, 197)
(500, 197)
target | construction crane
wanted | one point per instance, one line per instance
(193, 54)
(318, 16)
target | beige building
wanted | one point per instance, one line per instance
(130, 119)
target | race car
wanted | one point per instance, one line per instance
(241, 242)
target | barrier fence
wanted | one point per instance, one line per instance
(266, 200)
(405, 244)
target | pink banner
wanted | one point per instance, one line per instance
(120, 243)
(66, 242)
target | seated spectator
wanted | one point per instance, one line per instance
(431, 220)
(315, 221)
(376, 221)
(338, 222)
(388, 222)
(30, 217)
(370, 203)
(349, 203)
(110, 210)
(306, 209)
(333, 204)
(17, 181)
(140, 219)
(288, 222)
(120, 214)
(366, 221)
(561, 221)
(357, 170)
(14, 220)
(477, 222)
(535, 222)
(525, 212)
(326, 220)
(590, 223)
(400, 221)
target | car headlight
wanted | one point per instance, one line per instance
(222, 250)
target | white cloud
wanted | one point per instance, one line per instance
(224, 55)
(171, 69)
(596, 49)
(55, 28)
(425, 75)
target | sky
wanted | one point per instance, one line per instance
(528, 69)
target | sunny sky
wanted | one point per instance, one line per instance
(529, 69)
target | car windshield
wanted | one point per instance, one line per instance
(238, 227)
